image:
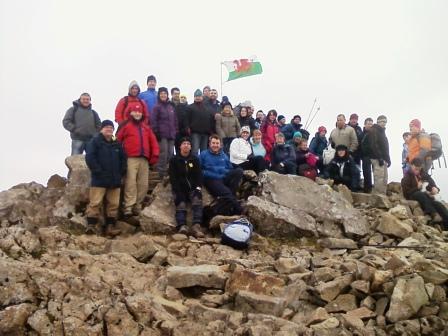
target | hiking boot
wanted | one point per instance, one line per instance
(91, 225)
(196, 231)
(183, 229)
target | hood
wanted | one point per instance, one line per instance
(131, 84)
(77, 103)
(162, 89)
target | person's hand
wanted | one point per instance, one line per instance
(388, 163)
(307, 154)
(419, 184)
(434, 191)
(381, 162)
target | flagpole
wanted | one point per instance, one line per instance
(220, 69)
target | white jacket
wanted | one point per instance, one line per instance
(240, 149)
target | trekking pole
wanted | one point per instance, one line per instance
(311, 111)
(315, 114)
(394, 247)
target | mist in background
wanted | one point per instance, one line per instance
(369, 58)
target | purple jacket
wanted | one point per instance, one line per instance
(164, 120)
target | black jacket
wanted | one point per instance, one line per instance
(343, 171)
(181, 115)
(247, 121)
(106, 161)
(376, 145)
(282, 154)
(185, 173)
(200, 118)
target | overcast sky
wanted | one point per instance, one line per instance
(364, 57)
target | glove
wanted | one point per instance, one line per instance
(381, 162)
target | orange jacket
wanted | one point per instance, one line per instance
(419, 145)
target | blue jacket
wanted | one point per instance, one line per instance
(150, 98)
(318, 144)
(215, 166)
(289, 130)
(106, 161)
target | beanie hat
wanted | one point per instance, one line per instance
(354, 116)
(137, 108)
(381, 118)
(224, 103)
(107, 122)
(297, 135)
(151, 77)
(321, 129)
(198, 93)
(132, 84)
(416, 123)
(245, 129)
(297, 116)
(280, 117)
(162, 89)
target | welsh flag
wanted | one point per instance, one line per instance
(243, 67)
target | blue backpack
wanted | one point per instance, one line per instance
(237, 234)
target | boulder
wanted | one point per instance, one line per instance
(391, 225)
(328, 291)
(209, 276)
(13, 319)
(288, 266)
(320, 202)
(400, 211)
(243, 279)
(380, 201)
(77, 188)
(248, 302)
(408, 297)
(430, 271)
(343, 303)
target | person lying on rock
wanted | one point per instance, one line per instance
(417, 185)
(242, 155)
(107, 163)
(283, 156)
(343, 169)
(185, 175)
(220, 177)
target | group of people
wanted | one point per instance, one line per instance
(209, 143)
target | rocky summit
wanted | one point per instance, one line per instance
(321, 262)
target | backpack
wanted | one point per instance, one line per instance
(312, 160)
(220, 206)
(328, 155)
(237, 233)
(436, 146)
(310, 173)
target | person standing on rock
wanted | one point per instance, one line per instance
(165, 127)
(419, 145)
(107, 163)
(419, 186)
(220, 178)
(269, 129)
(353, 122)
(295, 126)
(130, 103)
(150, 95)
(186, 182)
(82, 122)
(405, 152)
(200, 123)
(141, 147)
(344, 134)
(227, 125)
(365, 155)
(378, 152)
(318, 144)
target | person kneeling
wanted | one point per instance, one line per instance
(342, 169)
(186, 182)
(242, 155)
(283, 156)
(417, 185)
(220, 178)
(107, 163)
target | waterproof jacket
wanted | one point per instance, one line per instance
(150, 98)
(376, 145)
(106, 161)
(343, 170)
(185, 173)
(240, 149)
(291, 128)
(82, 122)
(215, 165)
(247, 121)
(282, 154)
(318, 145)
(199, 118)
(138, 140)
(164, 120)
(409, 183)
(126, 105)
(227, 125)
(345, 136)
(268, 131)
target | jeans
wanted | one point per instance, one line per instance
(166, 152)
(226, 144)
(181, 199)
(198, 142)
(380, 176)
(255, 163)
(226, 187)
(367, 174)
(78, 146)
(288, 168)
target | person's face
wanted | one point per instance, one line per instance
(183, 100)
(407, 138)
(272, 117)
(226, 110)
(256, 137)
(84, 100)
(353, 122)
(296, 121)
(198, 99)
(303, 145)
(279, 140)
(215, 145)
(415, 169)
(185, 148)
(213, 94)
(243, 112)
(152, 84)
(368, 124)
(282, 121)
(260, 116)
(163, 96)
(340, 122)
(250, 111)
(137, 115)
(245, 135)
(175, 95)
(414, 130)
(323, 133)
(382, 123)
(107, 131)
(134, 91)
(206, 92)
(341, 152)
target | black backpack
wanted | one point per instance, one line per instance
(224, 206)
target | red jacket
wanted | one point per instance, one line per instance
(269, 130)
(128, 104)
(138, 140)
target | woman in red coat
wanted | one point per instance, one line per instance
(269, 129)
(141, 147)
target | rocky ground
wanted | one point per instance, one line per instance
(322, 262)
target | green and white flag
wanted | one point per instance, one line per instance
(243, 67)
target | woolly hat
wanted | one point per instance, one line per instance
(245, 129)
(416, 123)
(198, 93)
(381, 118)
(247, 103)
(132, 84)
(280, 117)
(107, 122)
(354, 116)
(162, 89)
(224, 103)
(297, 135)
(321, 129)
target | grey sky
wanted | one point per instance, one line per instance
(368, 57)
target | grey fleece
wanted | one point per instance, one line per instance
(82, 124)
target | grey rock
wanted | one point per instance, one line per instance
(390, 225)
(248, 302)
(209, 276)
